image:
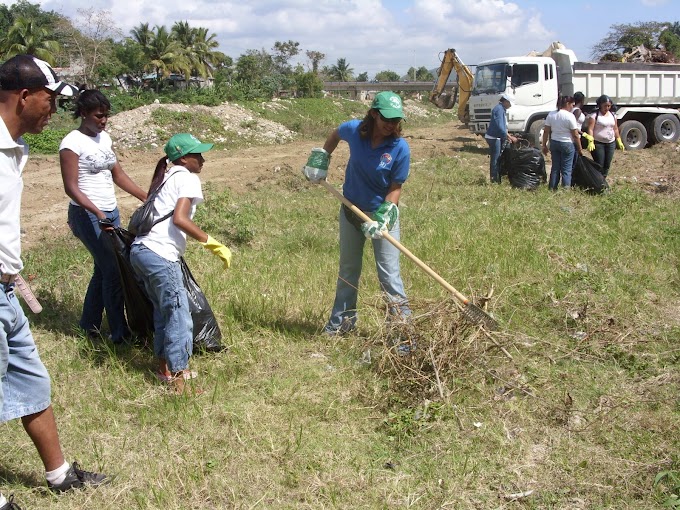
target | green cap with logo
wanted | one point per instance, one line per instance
(389, 105)
(183, 144)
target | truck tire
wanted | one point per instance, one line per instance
(536, 132)
(666, 128)
(633, 135)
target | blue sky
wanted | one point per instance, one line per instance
(376, 35)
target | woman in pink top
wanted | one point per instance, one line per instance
(604, 130)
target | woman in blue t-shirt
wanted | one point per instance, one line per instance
(378, 167)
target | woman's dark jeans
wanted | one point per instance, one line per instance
(104, 291)
(603, 155)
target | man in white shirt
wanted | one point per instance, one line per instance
(28, 92)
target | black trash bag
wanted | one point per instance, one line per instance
(587, 175)
(138, 307)
(524, 166)
(207, 334)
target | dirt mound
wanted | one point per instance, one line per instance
(136, 128)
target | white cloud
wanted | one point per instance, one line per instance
(372, 35)
(653, 3)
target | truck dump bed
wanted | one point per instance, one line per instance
(628, 84)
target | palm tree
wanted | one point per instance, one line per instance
(142, 34)
(198, 47)
(205, 51)
(165, 55)
(341, 71)
(26, 36)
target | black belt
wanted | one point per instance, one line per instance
(351, 217)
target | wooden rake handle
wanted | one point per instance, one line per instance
(361, 214)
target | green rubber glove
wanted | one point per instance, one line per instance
(591, 142)
(316, 168)
(619, 144)
(386, 215)
(218, 249)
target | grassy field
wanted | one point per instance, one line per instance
(572, 404)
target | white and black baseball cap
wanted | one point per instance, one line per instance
(29, 72)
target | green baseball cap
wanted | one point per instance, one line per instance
(389, 105)
(183, 144)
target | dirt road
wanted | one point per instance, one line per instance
(45, 203)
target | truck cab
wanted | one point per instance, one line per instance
(530, 81)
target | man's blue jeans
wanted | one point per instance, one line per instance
(495, 145)
(104, 291)
(25, 384)
(562, 162)
(173, 326)
(352, 240)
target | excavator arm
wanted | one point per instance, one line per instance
(465, 81)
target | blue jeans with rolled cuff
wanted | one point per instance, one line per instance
(173, 326)
(344, 314)
(104, 291)
(24, 382)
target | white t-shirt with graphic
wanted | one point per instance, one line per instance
(95, 161)
(165, 239)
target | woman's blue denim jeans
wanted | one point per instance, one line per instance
(344, 314)
(25, 387)
(603, 154)
(562, 154)
(104, 291)
(173, 327)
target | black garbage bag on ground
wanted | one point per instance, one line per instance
(207, 334)
(524, 166)
(587, 175)
(138, 307)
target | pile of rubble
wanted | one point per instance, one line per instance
(135, 129)
(644, 54)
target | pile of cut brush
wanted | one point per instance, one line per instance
(421, 357)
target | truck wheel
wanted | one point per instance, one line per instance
(536, 132)
(666, 128)
(633, 135)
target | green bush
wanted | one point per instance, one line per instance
(46, 142)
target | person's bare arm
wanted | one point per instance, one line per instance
(183, 222)
(124, 182)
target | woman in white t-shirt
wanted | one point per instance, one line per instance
(89, 170)
(562, 131)
(604, 130)
(155, 256)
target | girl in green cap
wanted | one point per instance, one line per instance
(155, 256)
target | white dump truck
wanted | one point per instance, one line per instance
(646, 96)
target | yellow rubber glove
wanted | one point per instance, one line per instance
(619, 144)
(591, 142)
(218, 249)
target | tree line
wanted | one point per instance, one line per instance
(97, 52)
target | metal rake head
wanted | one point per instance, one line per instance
(476, 315)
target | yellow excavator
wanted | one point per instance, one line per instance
(465, 81)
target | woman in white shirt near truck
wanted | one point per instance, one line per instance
(562, 131)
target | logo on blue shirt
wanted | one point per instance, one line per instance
(385, 160)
